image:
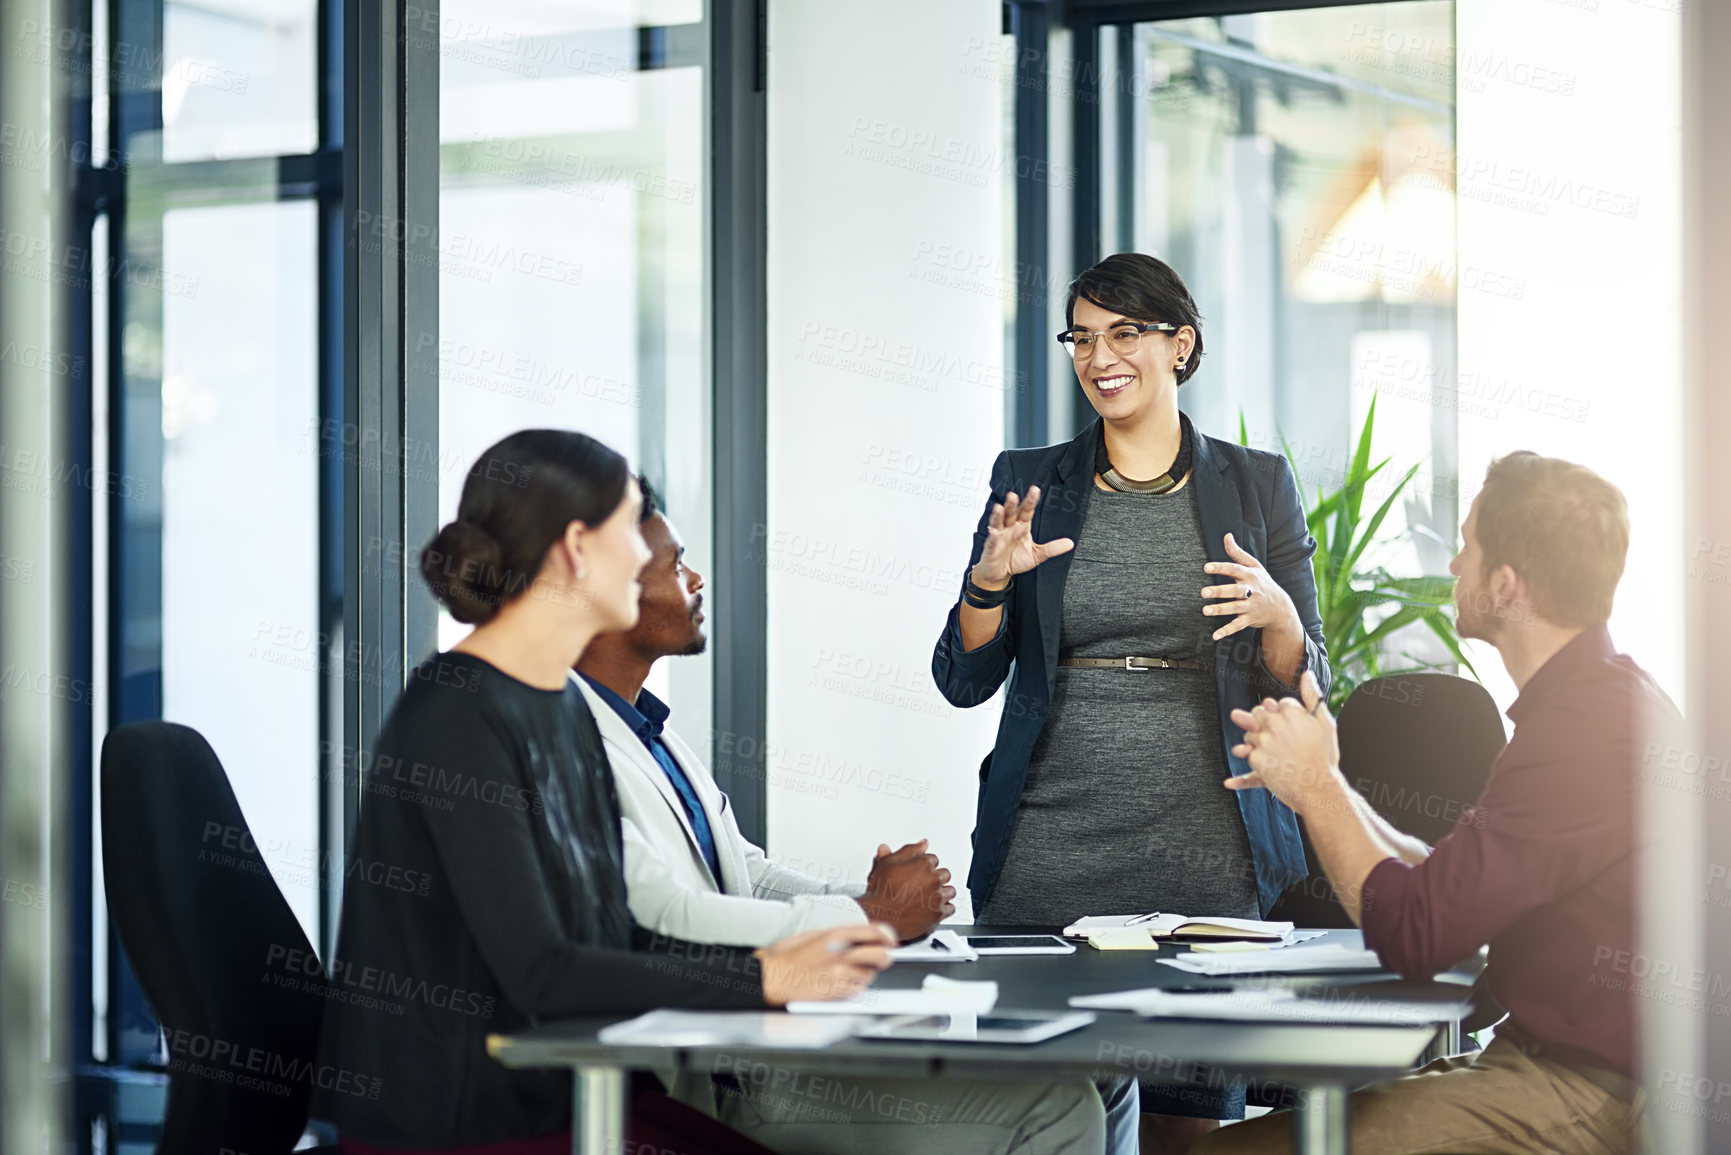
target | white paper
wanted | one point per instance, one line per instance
(1159, 924)
(1273, 1006)
(1247, 925)
(669, 1028)
(1081, 927)
(1235, 944)
(955, 949)
(936, 996)
(1293, 960)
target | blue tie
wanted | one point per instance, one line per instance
(693, 805)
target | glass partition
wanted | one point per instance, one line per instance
(1297, 169)
(571, 250)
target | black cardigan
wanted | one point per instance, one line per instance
(485, 892)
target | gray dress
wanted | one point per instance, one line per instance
(1123, 810)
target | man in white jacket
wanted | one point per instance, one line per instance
(689, 872)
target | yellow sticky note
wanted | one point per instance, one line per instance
(1123, 938)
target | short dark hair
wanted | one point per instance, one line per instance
(1142, 288)
(517, 501)
(651, 506)
(1559, 525)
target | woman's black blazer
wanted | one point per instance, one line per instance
(1247, 492)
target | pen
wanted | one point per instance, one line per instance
(937, 943)
(1143, 918)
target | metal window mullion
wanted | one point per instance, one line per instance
(737, 129)
(388, 440)
(371, 608)
(1032, 31)
(136, 449)
(330, 475)
(420, 323)
(80, 583)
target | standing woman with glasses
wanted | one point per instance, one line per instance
(1134, 586)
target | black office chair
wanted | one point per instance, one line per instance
(208, 935)
(1419, 747)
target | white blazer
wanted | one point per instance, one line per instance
(667, 882)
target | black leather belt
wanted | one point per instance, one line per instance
(1131, 663)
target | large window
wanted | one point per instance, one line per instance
(571, 250)
(241, 654)
(1297, 168)
(209, 195)
(239, 79)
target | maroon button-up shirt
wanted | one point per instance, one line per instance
(1544, 867)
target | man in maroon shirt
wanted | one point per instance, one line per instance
(1543, 869)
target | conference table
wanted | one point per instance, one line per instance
(1318, 1064)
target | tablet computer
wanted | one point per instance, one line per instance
(985, 944)
(992, 1027)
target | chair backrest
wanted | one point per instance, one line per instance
(1419, 747)
(216, 949)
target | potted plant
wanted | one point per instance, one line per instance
(1362, 605)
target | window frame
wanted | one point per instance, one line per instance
(1034, 419)
(124, 1090)
(377, 99)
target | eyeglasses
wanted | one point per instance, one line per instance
(1123, 338)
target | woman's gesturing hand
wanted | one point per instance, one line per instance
(1255, 597)
(820, 965)
(1010, 546)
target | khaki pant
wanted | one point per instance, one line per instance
(1499, 1100)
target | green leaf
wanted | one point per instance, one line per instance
(1348, 590)
(1444, 629)
(1361, 459)
(1402, 617)
(1344, 616)
(1243, 432)
(1430, 588)
(1317, 518)
(1358, 475)
(1375, 521)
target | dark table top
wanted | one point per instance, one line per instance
(1119, 1043)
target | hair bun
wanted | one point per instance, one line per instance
(465, 568)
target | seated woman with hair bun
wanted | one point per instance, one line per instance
(488, 787)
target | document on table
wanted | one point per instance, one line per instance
(668, 1028)
(939, 946)
(1292, 939)
(1293, 960)
(936, 996)
(1160, 925)
(1138, 938)
(1274, 1006)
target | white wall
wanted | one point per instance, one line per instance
(1568, 182)
(886, 409)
